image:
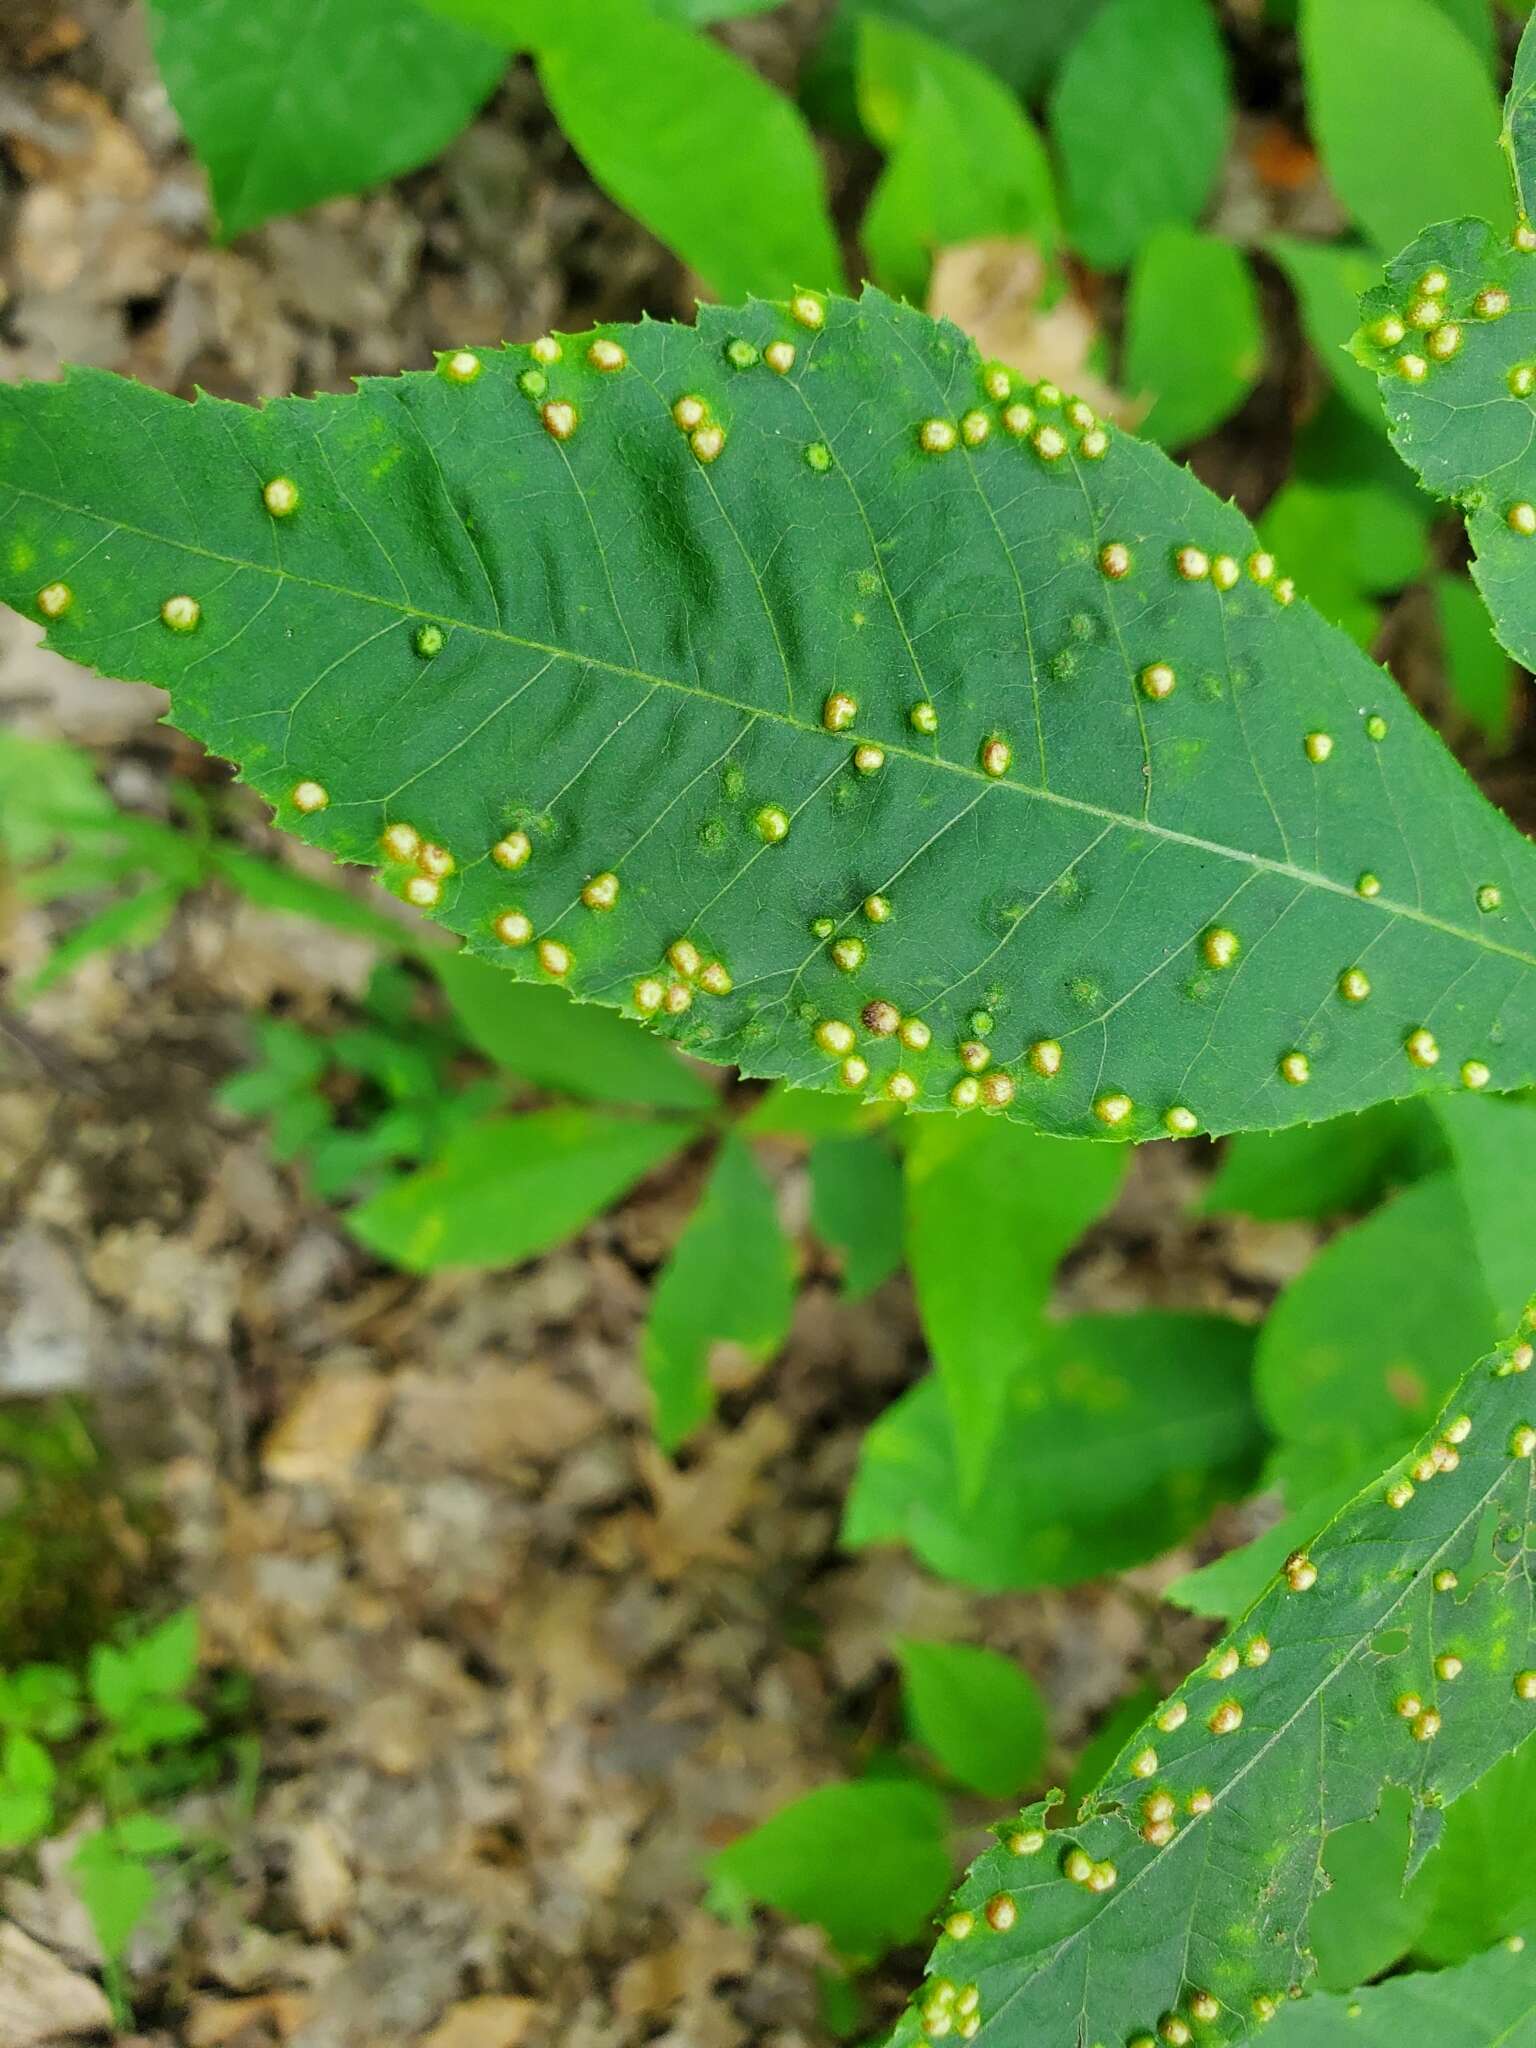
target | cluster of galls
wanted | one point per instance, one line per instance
(670, 993)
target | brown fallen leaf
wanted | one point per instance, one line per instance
(491, 2021)
(327, 1429)
(213, 2021)
(695, 1510)
(41, 1997)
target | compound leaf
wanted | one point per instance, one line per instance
(1183, 1884)
(282, 102)
(645, 710)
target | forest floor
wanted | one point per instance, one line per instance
(516, 1674)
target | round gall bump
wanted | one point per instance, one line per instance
(975, 1057)
(182, 614)
(1180, 1122)
(1519, 1359)
(602, 892)
(401, 842)
(1524, 237)
(1319, 745)
(546, 350)
(1080, 414)
(915, 1034)
(1159, 1806)
(1459, 1430)
(1522, 380)
(1295, 1068)
(1050, 444)
(983, 1023)
(869, 759)
(1263, 2008)
(606, 355)
(310, 797)
(996, 757)
(1399, 1493)
(1077, 1866)
(559, 417)
(1223, 1662)
(1019, 419)
(771, 824)
(1225, 572)
(1200, 1801)
(936, 437)
(848, 954)
(1192, 563)
(960, 1926)
(1026, 1842)
(1257, 1653)
(1204, 2007)
(436, 860)
(881, 1018)
(54, 600)
(823, 927)
(1045, 1057)
(1522, 1441)
(429, 642)
(924, 718)
(1047, 393)
(1448, 1667)
(1157, 681)
(1422, 1047)
(1300, 1572)
(835, 1037)
(462, 367)
(281, 497)
(554, 958)
(1426, 312)
(1445, 341)
(1173, 1716)
(839, 711)
(1220, 946)
(690, 412)
(1226, 1719)
(1426, 1726)
(648, 995)
(1115, 560)
(1475, 1074)
(512, 852)
(1411, 368)
(1388, 331)
(966, 1093)
(974, 429)
(997, 383)
(877, 909)
(533, 383)
(1354, 985)
(423, 891)
(818, 456)
(685, 957)
(1261, 566)
(515, 929)
(1489, 897)
(1094, 445)
(1112, 1109)
(678, 999)
(997, 1090)
(1435, 282)
(1525, 1685)
(707, 442)
(780, 357)
(1521, 518)
(1144, 1764)
(1368, 885)
(1103, 1877)
(808, 310)
(1001, 1913)
(1175, 2031)
(715, 978)
(1285, 590)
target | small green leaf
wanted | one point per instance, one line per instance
(164, 1661)
(541, 1035)
(25, 1765)
(1314, 1171)
(1329, 280)
(41, 1699)
(1019, 45)
(1203, 1847)
(1489, 2003)
(1479, 1886)
(1476, 666)
(511, 1187)
(116, 1890)
(284, 102)
(1374, 70)
(963, 160)
(129, 925)
(991, 1212)
(1196, 368)
(1364, 1922)
(730, 1279)
(1140, 113)
(146, 1834)
(26, 1815)
(866, 1861)
(856, 1209)
(270, 886)
(978, 1712)
(1348, 542)
(1120, 1434)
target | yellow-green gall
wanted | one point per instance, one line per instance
(707, 442)
(1422, 1047)
(1475, 1074)
(974, 429)
(1261, 566)
(554, 958)
(1115, 560)
(54, 600)
(423, 891)
(281, 497)
(182, 614)
(677, 999)
(1426, 1726)
(835, 1037)
(514, 929)
(1225, 571)
(1077, 1866)
(436, 860)
(1094, 445)
(1019, 419)
(310, 797)
(463, 366)
(1522, 1441)
(685, 957)
(877, 909)
(602, 892)
(868, 759)
(1112, 1109)
(606, 355)
(1049, 443)
(900, 1087)
(966, 1093)
(848, 954)
(960, 1926)
(559, 417)
(923, 718)
(1521, 518)
(690, 411)
(915, 1035)
(1045, 1057)
(780, 357)
(1368, 885)
(808, 310)
(996, 757)
(546, 350)
(1375, 727)
(715, 978)
(1525, 1685)
(1413, 369)
(1489, 897)
(1225, 1719)
(1444, 341)
(839, 711)
(1001, 1912)
(1354, 985)
(997, 1090)
(1157, 680)
(1220, 946)
(1448, 1667)
(400, 841)
(1192, 563)
(648, 994)
(854, 1071)
(1026, 1842)
(1300, 1572)
(1388, 331)
(1318, 745)
(1144, 1764)
(1399, 1493)
(771, 824)
(1223, 1662)
(513, 851)
(1173, 1716)
(975, 1057)
(936, 437)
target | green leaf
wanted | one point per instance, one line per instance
(272, 887)
(1348, 542)
(865, 1861)
(540, 1034)
(1329, 279)
(1140, 114)
(25, 1765)
(856, 1209)
(286, 103)
(991, 1212)
(1373, 68)
(1294, 1728)
(1196, 371)
(41, 1699)
(649, 700)
(508, 1188)
(1120, 1435)
(708, 156)
(164, 1662)
(730, 1279)
(116, 1890)
(1476, 666)
(1229, 1584)
(978, 1712)
(1359, 1351)
(698, 12)
(130, 924)
(1479, 1886)
(963, 160)
(1489, 2003)
(48, 793)
(26, 1815)
(1020, 46)
(1363, 1922)
(1316, 1170)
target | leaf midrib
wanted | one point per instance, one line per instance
(1259, 1755)
(1137, 825)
